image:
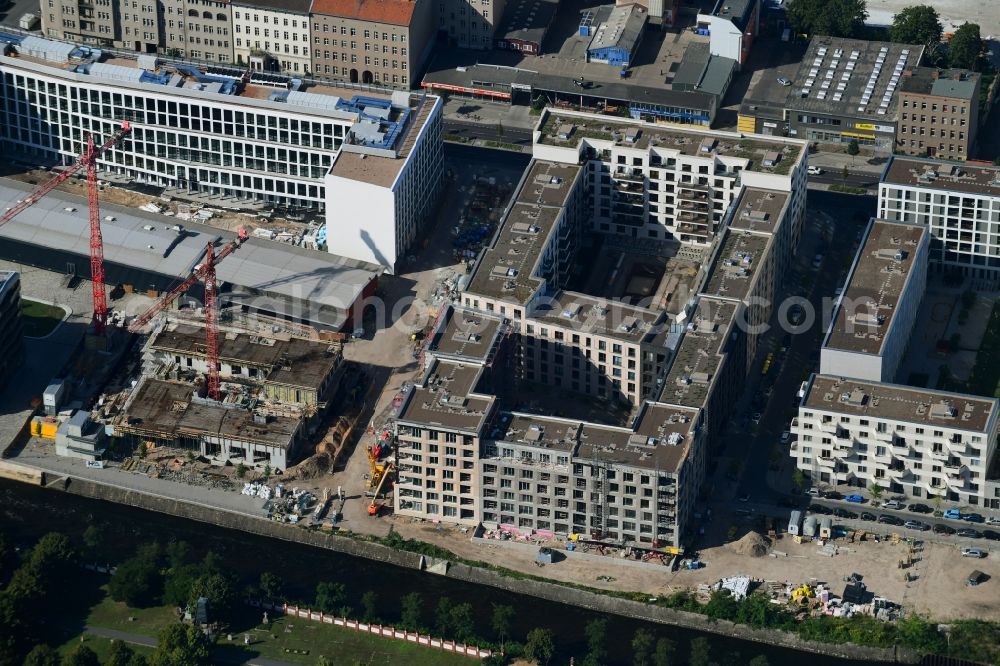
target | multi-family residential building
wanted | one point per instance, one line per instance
(96, 23)
(939, 113)
(914, 441)
(878, 307)
(198, 29)
(958, 203)
(384, 42)
(11, 325)
(272, 35)
(141, 24)
(256, 137)
(471, 23)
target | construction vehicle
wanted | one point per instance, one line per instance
(375, 507)
(87, 160)
(376, 466)
(205, 271)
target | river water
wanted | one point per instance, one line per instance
(27, 512)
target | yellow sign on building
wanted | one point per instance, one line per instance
(747, 124)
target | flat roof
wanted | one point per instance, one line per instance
(378, 169)
(443, 399)
(543, 432)
(465, 334)
(700, 355)
(950, 177)
(843, 77)
(737, 11)
(601, 316)
(754, 149)
(498, 70)
(659, 441)
(700, 70)
(759, 210)
(621, 29)
(59, 221)
(167, 409)
(526, 20)
(877, 280)
(951, 83)
(507, 269)
(737, 264)
(900, 403)
(292, 362)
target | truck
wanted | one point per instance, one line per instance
(795, 523)
(53, 396)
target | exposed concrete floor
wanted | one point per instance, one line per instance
(953, 13)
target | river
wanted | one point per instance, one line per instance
(29, 512)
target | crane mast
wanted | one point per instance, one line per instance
(87, 160)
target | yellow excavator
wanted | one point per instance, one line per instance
(375, 507)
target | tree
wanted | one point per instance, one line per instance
(876, 491)
(241, 471)
(664, 653)
(178, 583)
(271, 586)
(919, 24)
(81, 655)
(42, 655)
(442, 616)
(541, 645)
(502, 615)
(137, 582)
(595, 632)
(122, 655)
(760, 660)
(330, 597)
(411, 609)
(463, 628)
(369, 601)
(965, 47)
(798, 481)
(642, 647)
(837, 18)
(701, 652)
(853, 149)
(93, 539)
(845, 174)
(178, 553)
(181, 645)
(220, 590)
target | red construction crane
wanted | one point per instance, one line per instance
(205, 272)
(89, 160)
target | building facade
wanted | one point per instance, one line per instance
(958, 203)
(469, 24)
(732, 27)
(272, 36)
(198, 29)
(11, 325)
(939, 113)
(385, 43)
(94, 23)
(913, 441)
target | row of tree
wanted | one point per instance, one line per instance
(918, 24)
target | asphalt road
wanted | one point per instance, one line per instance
(854, 179)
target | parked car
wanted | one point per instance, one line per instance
(953, 513)
(857, 499)
(886, 519)
(868, 516)
(969, 533)
(819, 508)
(892, 504)
(919, 508)
(784, 82)
(815, 171)
(832, 495)
(744, 497)
(991, 535)
(796, 315)
(973, 552)
(787, 503)
(993, 520)
(756, 418)
(916, 525)
(785, 437)
(973, 518)
(941, 528)
(844, 513)
(817, 261)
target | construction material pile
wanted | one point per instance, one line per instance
(311, 468)
(752, 544)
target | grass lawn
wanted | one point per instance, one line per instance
(40, 319)
(287, 639)
(102, 646)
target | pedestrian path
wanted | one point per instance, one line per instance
(220, 655)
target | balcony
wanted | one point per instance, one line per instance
(629, 186)
(629, 175)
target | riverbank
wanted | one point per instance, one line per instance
(475, 573)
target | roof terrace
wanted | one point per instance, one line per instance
(446, 399)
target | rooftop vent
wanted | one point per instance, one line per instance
(943, 410)
(856, 398)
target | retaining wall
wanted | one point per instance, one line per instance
(544, 590)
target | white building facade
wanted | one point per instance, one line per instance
(272, 36)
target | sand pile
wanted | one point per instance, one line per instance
(752, 544)
(310, 468)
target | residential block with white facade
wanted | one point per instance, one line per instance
(272, 35)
